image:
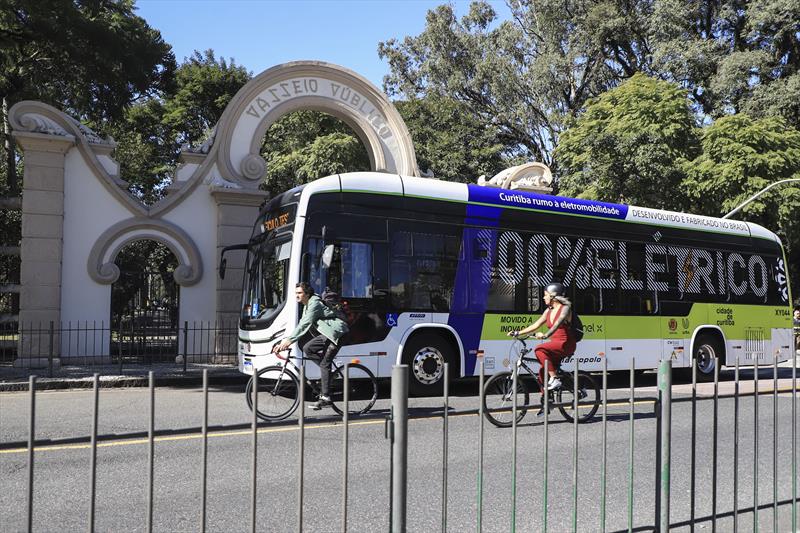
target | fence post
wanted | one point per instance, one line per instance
(399, 446)
(50, 352)
(185, 343)
(665, 402)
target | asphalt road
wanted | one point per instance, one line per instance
(61, 499)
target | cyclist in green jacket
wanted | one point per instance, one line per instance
(328, 329)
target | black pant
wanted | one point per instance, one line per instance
(322, 350)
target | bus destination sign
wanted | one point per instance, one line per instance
(275, 220)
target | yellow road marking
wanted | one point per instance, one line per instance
(294, 427)
(193, 436)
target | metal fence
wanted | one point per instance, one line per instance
(661, 465)
(130, 343)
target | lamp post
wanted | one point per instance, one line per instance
(759, 193)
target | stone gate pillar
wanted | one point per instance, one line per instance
(237, 210)
(41, 248)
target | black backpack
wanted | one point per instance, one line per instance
(576, 326)
(333, 301)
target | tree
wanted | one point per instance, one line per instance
(91, 58)
(741, 156)
(630, 145)
(204, 87)
(450, 140)
(305, 145)
(523, 77)
(732, 56)
(530, 75)
(151, 132)
(147, 149)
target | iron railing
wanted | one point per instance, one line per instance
(98, 344)
(659, 464)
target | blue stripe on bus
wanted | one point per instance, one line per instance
(472, 281)
(544, 202)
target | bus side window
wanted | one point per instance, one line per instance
(424, 260)
(356, 270)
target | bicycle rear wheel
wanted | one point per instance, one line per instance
(363, 390)
(278, 392)
(588, 395)
(498, 399)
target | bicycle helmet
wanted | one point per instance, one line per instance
(556, 289)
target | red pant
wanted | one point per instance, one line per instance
(553, 352)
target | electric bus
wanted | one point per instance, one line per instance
(434, 272)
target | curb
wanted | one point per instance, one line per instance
(108, 382)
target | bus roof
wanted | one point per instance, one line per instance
(394, 184)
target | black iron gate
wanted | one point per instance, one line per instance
(144, 309)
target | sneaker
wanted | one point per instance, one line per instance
(554, 383)
(541, 412)
(323, 401)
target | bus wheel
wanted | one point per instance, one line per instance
(425, 354)
(706, 348)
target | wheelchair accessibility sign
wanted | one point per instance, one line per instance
(391, 320)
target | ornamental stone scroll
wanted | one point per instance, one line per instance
(102, 268)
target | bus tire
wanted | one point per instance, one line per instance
(706, 347)
(425, 354)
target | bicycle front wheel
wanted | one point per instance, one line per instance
(278, 392)
(362, 393)
(498, 399)
(588, 397)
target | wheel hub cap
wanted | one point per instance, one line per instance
(705, 359)
(428, 365)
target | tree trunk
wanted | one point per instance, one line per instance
(11, 153)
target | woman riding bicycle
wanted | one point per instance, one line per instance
(562, 344)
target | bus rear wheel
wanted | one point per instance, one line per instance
(425, 354)
(707, 352)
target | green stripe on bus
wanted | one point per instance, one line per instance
(733, 320)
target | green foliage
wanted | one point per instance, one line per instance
(305, 145)
(151, 132)
(205, 85)
(146, 150)
(530, 75)
(525, 77)
(91, 58)
(134, 261)
(88, 57)
(740, 157)
(629, 145)
(450, 140)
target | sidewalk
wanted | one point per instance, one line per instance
(74, 377)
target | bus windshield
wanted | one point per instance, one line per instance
(265, 279)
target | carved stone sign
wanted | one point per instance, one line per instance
(322, 87)
(295, 87)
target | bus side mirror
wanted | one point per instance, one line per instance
(223, 263)
(327, 256)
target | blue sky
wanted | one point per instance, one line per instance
(259, 34)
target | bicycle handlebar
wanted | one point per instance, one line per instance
(278, 354)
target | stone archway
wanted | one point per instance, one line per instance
(318, 86)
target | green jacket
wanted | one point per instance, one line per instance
(317, 314)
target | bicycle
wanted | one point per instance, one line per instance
(279, 389)
(498, 396)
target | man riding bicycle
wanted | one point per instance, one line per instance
(322, 349)
(557, 317)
